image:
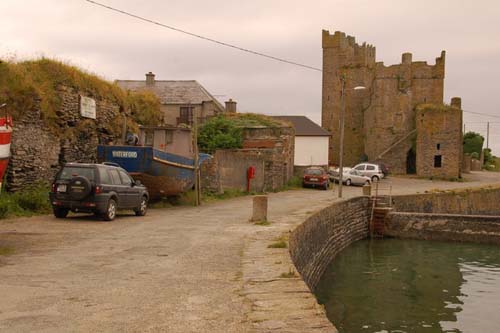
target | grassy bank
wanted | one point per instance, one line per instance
(33, 201)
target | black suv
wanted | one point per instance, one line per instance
(101, 189)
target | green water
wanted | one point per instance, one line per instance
(394, 285)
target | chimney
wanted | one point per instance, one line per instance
(456, 102)
(150, 79)
(231, 106)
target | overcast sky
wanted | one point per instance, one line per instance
(119, 47)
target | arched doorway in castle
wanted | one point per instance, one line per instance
(411, 162)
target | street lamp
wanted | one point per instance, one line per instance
(342, 116)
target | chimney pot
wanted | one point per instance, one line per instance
(150, 79)
(231, 106)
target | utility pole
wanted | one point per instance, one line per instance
(487, 135)
(341, 125)
(197, 200)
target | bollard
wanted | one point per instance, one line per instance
(259, 208)
(367, 190)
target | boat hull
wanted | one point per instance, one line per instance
(5, 139)
(164, 174)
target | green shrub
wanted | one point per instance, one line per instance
(34, 200)
(219, 133)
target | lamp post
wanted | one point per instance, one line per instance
(342, 120)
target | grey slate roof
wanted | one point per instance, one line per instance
(172, 91)
(304, 126)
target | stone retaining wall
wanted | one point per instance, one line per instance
(447, 227)
(478, 201)
(316, 242)
(38, 152)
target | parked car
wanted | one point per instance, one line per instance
(101, 189)
(372, 170)
(350, 177)
(316, 177)
(384, 167)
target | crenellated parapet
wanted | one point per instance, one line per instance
(347, 50)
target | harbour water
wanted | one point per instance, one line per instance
(395, 285)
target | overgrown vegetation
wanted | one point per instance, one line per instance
(22, 83)
(219, 133)
(32, 201)
(225, 131)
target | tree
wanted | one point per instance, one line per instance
(473, 143)
(219, 133)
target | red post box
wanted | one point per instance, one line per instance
(250, 176)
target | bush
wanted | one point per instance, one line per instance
(219, 133)
(473, 143)
(34, 200)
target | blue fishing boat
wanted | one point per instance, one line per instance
(160, 157)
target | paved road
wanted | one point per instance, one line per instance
(175, 270)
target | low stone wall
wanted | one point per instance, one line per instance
(479, 201)
(316, 242)
(447, 227)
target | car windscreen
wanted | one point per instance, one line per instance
(315, 172)
(69, 172)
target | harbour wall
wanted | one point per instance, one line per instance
(458, 215)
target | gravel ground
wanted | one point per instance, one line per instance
(177, 270)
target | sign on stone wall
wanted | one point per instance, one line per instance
(87, 107)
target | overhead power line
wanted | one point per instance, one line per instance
(203, 37)
(483, 114)
(141, 18)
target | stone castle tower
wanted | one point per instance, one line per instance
(380, 119)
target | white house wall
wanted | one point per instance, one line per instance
(311, 150)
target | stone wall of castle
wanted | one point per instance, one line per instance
(439, 141)
(383, 114)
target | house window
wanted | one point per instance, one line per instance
(438, 146)
(169, 137)
(149, 137)
(438, 161)
(186, 115)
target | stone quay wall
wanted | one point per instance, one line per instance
(475, 201)
(37, 151)
(444, 227)
(316, 242)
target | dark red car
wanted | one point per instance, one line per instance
(316, 177)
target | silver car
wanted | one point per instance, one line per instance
(350, 177)
(374, 171)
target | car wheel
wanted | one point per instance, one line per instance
(375, 179)
(348, 182)
(142, 209)
(61, 213)
(367, 182)
(110, 213)
(325, 187)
